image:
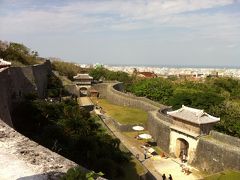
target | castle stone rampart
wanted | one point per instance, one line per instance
(5, 97)
(112, 91)
(234, 141)
(159, 129)
(213, 153)
(16, 82)
(23, 158)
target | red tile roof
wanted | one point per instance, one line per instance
(148, 74)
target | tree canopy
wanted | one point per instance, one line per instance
(105, 74)
(218, 96)
(18, 54)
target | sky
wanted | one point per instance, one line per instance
(157, 32)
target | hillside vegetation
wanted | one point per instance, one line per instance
(63, 127)
(66, 68)
(217, 96)
(101, 73)
(18, 54)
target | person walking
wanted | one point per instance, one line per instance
(170, 177)
(164, 177)
(145, 154)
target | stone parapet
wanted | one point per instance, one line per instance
(16, 82)
(160, 130)
(23, 158)
(233, 141)
(214, 156)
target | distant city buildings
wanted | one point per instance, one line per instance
(146, 74)
(191, 73)
(182, 72)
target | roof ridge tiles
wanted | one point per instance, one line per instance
(197, 116)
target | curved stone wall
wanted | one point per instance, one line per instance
(234, 141)
(214, 153)
(160, 130)
(158, 127)
(115, 91)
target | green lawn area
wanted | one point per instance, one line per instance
(225, 175)
(124, 115)
(133, 134)
(142, 141)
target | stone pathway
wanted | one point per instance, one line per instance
(169, 166)
(156, 165)
(133, 149)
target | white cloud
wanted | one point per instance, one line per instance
(125, 16)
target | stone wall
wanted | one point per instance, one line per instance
(24, 159)
(234, 141)
(111, 92)
(164, 116)
(16, 82)
(160, 131)
(40, 73)
(72, 89)
(117, 96)
(5, 97)
(102, 89)
(213, 155)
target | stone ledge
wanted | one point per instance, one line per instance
(22, 158)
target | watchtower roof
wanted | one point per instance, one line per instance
(82, 76)
(196, 116)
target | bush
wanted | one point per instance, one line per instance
(19, 54)
(66, 68)
(80, 174)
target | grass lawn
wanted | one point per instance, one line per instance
(133, 134)
(225, 175)
(143, 141)
(124, 115)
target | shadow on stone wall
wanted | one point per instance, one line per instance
(16, 82)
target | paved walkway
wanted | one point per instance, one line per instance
(156, 165)
(134, 149)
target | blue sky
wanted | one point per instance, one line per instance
(158, 32)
